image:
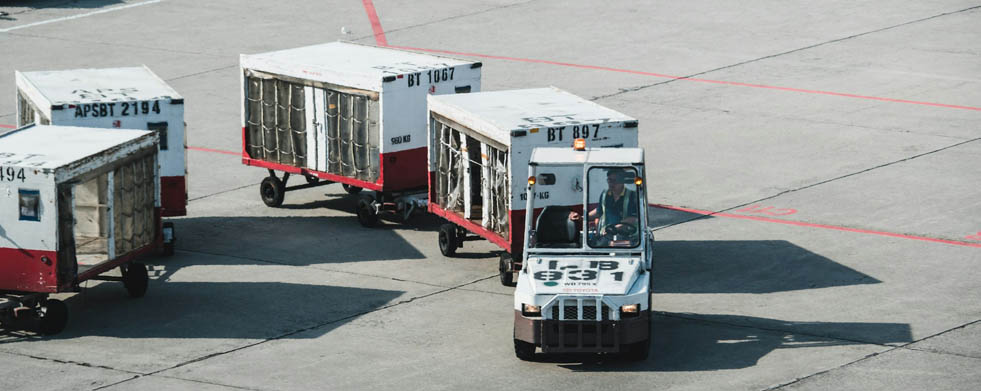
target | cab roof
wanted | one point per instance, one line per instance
(53, 147)
(589, 156)
(346, 63)
(97, 85)
(495, 114)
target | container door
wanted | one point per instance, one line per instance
(90, 201)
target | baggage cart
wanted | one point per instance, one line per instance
(124, 98)
(346, 113)
(74, 204)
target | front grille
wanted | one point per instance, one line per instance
(570, 309)
(580, 336)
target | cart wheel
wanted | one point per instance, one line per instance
(272, 190)
(312, 179)
(351, 189)
(507, 278)
(448, 242)
(168, 245)
(525, 351)
(54, 317)
(135, 279)
(366, 213)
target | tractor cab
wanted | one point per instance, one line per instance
(585, 281)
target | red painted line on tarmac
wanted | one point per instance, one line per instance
(812, 225)
(664, 76)
(213, 150)
(369, 8)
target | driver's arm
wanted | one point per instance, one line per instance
(595, 213)
(632, 210)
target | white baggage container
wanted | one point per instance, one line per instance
(74, 203)
(344, 112)
(126, 98)
(479, 148)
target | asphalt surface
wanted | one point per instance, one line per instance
(815, 166)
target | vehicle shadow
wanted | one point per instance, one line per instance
(660, 216)
(697, 342)
(420, 220)
(746, 266)
(292, 240)
(217, 310)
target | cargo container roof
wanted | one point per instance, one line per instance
(51, 147)
(588, 156)
(348, 59)
(497, 113)
(99, 85)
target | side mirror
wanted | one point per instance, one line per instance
(531, 239)
(649, 255)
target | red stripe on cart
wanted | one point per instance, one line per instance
(404, 170)
(28, 270)
(173, 196)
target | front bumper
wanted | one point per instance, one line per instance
(560, 336)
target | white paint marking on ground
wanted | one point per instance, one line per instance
(78, 16)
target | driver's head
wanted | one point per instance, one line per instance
(614, 179)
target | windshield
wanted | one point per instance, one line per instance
(557, 222)
(614, 208)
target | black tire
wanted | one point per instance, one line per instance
(524, 351)
(637, 351)
(351, 189)
(54, 318)
(366, 213)
(507, 277)
(168, 248)
(273, 191)
(136, 279)
(448, 241)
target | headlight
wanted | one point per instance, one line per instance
(531, 310)
(629, 311)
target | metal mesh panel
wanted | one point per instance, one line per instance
(276, 126)
(253, 133)
(133, 199)
(352, 135)
(276, 121)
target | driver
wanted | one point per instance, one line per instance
(617, 205)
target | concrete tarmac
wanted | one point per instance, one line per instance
(815, 167)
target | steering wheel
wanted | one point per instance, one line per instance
(625, 229)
